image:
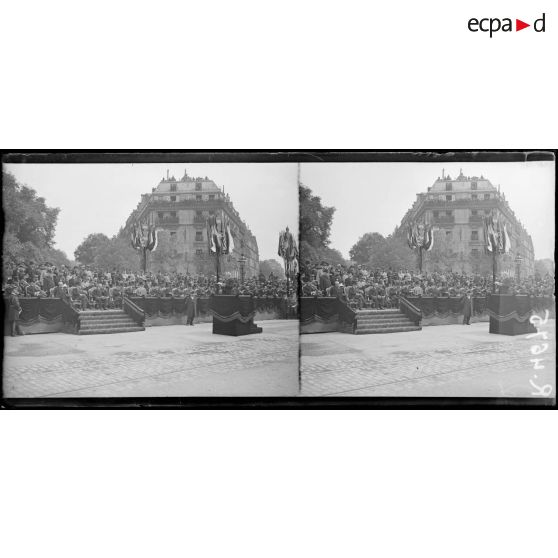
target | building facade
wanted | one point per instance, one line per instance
(180, 208)
(456, 208)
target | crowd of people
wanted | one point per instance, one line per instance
(86, 287)
(362, 286)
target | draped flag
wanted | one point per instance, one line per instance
(496, 235)
(219, 236)
(213, 236)
(288, 251)
(228, 241)
(420, 236)
(144, 237)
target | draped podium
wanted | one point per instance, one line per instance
(233, 315)
(509, 314)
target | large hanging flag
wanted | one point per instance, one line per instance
(228, 240)
(152, 239)
(214, 235)
(496, 235)
(420, 236)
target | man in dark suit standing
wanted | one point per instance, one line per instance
(14, 310)
(190, 309)
(467, 308)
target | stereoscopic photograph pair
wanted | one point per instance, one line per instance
(286, 279)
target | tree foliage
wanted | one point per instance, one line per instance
(379, 252)
(117, 254)
(321, 253)
(315, 218)
(542, 267)
(88, 250)
(29, 225)
(369, 247)
(272, 266)
(27, 216)
(107, 253)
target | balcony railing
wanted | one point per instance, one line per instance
(444, 219)
(167, 221)
(200, 219)
(476, 218)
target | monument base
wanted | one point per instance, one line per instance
(235, 328)
(233, 315)
(509, 315)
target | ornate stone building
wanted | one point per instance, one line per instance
(456, 208)
(179, 208)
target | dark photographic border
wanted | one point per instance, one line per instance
(49, 156)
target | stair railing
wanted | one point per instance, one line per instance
(70, 317)
(347, 316)
(410, 310)
(134, 311)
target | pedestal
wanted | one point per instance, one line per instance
(233, 315)
(509, 314)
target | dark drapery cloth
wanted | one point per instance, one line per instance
(230, 306)
(442, 307)
(164, 307)
(34, 310)
(202, 306)
(322, 309)
(506, 307)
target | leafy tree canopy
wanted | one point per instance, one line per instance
(315, 254)
(88, 250)
(29, 225)
(272, 266)
(315, 218)
(27, 216)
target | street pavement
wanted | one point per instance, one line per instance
(177, 361)
(438, 361)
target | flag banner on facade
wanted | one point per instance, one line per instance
(229, 237)
(420, 236)
(144, 237)
(219, 235)
(496, 235)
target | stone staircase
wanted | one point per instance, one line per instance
(383, 321)
(93, 322)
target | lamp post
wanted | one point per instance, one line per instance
(518, 260)
(242, 263)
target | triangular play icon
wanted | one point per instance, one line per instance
(519, 25)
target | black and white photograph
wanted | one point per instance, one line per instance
(150, 280)
(423, 279)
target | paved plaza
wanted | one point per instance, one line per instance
(178, 361)
(438, 361)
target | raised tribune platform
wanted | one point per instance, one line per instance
(449, 310)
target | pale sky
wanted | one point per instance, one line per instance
(374, 197)
(98, 198)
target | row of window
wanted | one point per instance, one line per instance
(449, 186)
(198, 187)
(474, 197)
(474, 235)
(474, 213)
(198, 197)
(172, 214)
